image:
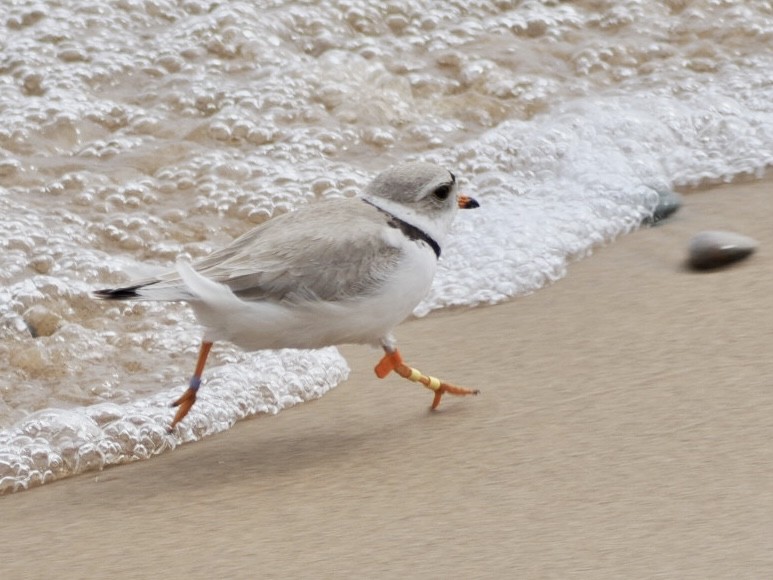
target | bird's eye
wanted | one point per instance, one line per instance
(442, 192)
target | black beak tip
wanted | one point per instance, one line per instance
(471, 204)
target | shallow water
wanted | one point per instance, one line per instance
(138, 131)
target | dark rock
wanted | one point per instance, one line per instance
(714, 249)
(668, 203)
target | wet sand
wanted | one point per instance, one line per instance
(624, 431)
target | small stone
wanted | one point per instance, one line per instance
(668, 203)
(41, 321)
(713, 249)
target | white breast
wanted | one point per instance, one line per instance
(365, 320)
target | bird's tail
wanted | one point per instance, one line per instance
(183, 283)
(126, 293)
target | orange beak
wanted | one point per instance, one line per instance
(466, 202)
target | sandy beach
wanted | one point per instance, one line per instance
(623, 431)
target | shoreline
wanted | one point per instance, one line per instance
(623, 430)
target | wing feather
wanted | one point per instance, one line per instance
(332, 251)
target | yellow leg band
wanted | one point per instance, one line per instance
(417, 376)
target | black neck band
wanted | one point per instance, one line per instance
(412, 232)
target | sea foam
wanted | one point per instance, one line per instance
(135, 133)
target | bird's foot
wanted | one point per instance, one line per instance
(184, 404)
(392, 361)
(189, 396)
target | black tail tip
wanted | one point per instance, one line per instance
(117, 293)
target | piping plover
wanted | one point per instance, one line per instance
(334, 272)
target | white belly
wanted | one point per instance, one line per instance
(264, 325)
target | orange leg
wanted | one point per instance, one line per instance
(185, 402)
(392, 361)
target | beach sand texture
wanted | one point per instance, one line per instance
(623, 431)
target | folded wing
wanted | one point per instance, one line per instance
(332, 251)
